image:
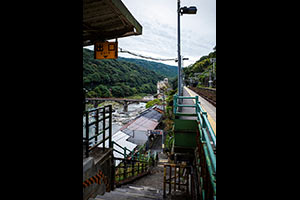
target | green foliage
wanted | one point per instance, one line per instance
(117, 91)
(202, 66)
(116, 77)
(91, 94)
(153, 102)
(102, 91)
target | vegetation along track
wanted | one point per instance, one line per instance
(206, 93)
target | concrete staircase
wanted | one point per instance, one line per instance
(131, 192)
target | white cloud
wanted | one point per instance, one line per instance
(159, 21)
(159, 37)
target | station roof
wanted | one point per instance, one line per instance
(107, 19)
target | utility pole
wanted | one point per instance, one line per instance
(181, 11)
(178, 47)
(213, 60)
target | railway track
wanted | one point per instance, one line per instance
(208, 94)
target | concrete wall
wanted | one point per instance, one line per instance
(98, 173)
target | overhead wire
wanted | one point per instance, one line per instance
(146, 57)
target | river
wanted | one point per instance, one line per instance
(121, 118)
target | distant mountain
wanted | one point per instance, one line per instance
(116, 77)
(168, 71)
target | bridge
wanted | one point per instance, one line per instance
(125, 102)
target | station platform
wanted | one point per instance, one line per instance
(207, 107)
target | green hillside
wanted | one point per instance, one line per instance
(168, 71)
(116, 77)
(200, 70)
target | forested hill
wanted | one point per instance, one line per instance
(116, 77)
(199, 72)
(168, 71)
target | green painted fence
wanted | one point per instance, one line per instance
(207, 145)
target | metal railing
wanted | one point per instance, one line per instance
(206, 140)
(134, 164)
(96, 123)
(177, 176)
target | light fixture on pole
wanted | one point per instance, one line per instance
(181, 11)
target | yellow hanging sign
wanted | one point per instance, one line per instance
(106, 50)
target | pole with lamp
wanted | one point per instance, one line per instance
(181, 11)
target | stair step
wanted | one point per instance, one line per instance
(126, 196)
(131, 192)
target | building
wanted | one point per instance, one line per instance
(136, 132)
(161, 85)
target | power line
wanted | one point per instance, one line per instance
(147, 57)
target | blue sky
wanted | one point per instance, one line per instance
(159, 37)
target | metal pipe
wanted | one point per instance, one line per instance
(211, 132)
(210, 150)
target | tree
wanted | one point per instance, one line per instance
(102, 91)
(153, 102)
(117, 91)
(91, 94)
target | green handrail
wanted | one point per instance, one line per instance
(138, 159)
(206, 132)
(132, 154)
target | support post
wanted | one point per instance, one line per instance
(125, 106)
(87, 134)
(110, 126)
(97, 125)
(175, 178)
(164, 187)
(103, 128)
(170, 179)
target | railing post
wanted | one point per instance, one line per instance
(97, 125)
(196, 104)
(179, 178)
(87, 134)
(125, 170)
(204, 114)
(124, 152)
(175, 178)
(110, 126)
(170, 180)
(175, 103)
(164, 187)
(103, 128)
(132, 168)
(187, 181)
